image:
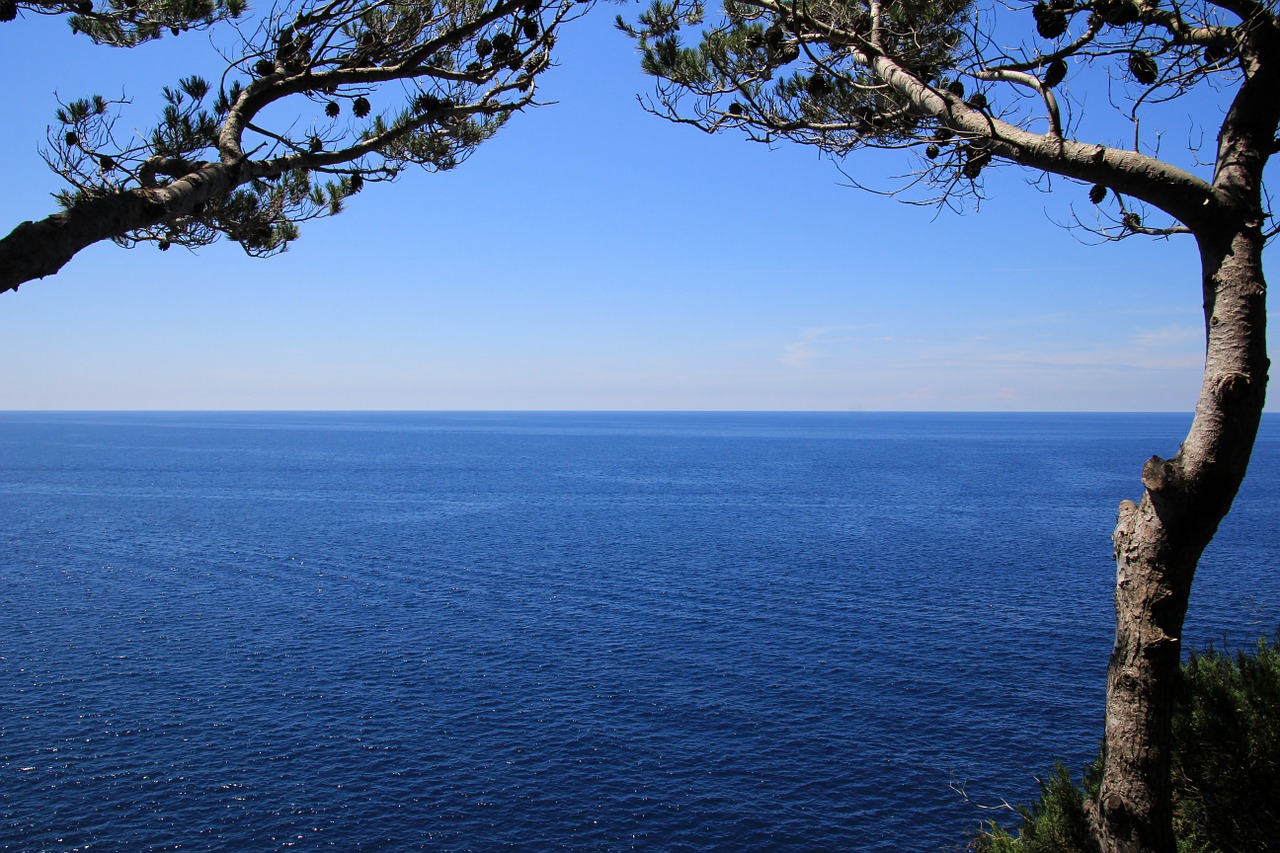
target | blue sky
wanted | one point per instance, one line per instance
(593, 257)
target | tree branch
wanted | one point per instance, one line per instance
(1032, 82)
(38, 249)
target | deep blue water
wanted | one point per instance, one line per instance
(456, 632)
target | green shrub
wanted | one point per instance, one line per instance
(1225, 766)
(1226, 755)
(1055, 823)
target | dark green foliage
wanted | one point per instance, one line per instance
(438, 149)
(227, 97)
(8, 10)
(185, 128)
(82, 109)
(1227, 787)
(1225, 767)
(847, 74)
(782, 75)
(259, 215)
(1055, 823)
(126, 23)
(260, 173)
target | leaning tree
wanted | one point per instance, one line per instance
(317, 100)
(965, 85)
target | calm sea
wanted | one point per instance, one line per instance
(596, 632)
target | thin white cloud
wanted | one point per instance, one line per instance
(806, 348)
(1117, 359)
(1173, 347)
(1179, 337)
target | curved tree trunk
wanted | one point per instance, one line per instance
(37, 249)
(1158, 543)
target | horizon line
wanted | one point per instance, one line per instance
(851, 411)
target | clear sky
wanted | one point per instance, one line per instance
(592, 257)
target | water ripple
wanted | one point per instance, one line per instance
(563, 632)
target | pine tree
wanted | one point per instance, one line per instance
(329, 97)
(933, 78)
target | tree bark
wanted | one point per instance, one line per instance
(37, 249)
(1158, 543)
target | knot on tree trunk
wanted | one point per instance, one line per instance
(1160, 476)
(1231, 386)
